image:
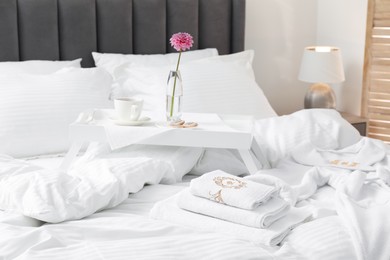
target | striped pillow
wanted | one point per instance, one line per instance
(36, 110)
(224, 85)
(36, 66)
(111, 61)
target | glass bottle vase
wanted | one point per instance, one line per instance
(174, 96)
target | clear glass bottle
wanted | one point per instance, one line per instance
(174, 96)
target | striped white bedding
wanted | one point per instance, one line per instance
(126, 232)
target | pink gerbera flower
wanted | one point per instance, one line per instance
(181, 41)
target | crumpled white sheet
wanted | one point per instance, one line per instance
(279, 136)
(362, 197)
(363, 155)
(362, 204)
(92, 185)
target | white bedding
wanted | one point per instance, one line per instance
(348, 220)
(53, 196)
(126, 232)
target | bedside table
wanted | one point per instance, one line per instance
(360, 123)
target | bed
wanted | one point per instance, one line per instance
(122, 203)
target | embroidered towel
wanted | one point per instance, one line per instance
(168, 210)
(231, 190)
(261, 217)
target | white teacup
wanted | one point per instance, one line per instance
(128, 109)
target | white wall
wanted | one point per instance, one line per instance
(342, 23)
(279, 30)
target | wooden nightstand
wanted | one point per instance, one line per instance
(360, 123)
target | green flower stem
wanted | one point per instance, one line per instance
(174, 84)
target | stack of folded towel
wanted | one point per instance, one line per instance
(238, 200)
(229, 204)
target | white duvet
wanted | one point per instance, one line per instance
(96, 219)
(104, 182)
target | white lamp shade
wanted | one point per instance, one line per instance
(321, 64)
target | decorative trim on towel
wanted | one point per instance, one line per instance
(226, 182)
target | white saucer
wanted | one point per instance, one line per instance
(139, 122)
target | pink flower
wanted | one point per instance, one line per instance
(181, 41)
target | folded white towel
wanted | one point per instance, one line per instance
(261, 217)
(231, 190)
(168, 210)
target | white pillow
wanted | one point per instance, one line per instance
(325, 128)
(36, 110)
(222, 84)
(245, 58)
(110, 61)
(36, 66)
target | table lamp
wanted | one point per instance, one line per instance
(321, 65)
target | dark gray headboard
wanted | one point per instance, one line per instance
(69, 29)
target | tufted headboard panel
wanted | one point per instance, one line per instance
(70, 29)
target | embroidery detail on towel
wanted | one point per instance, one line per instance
(344, 163)
(217, 197)
(226, 182)
(229, 182)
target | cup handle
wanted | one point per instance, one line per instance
(134, 112)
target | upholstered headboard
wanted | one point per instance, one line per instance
(69, 29)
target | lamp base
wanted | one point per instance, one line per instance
(320, 95)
